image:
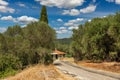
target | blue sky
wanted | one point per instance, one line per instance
(64, 15)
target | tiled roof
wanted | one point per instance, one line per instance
(58, 52)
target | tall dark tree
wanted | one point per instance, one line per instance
(44, 16)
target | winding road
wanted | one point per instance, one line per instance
(82, 74)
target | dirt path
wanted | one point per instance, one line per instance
(79, 73)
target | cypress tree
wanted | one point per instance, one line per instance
(44, 17)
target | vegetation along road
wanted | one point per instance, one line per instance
(79, 73)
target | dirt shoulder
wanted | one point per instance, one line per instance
(107, 66)
(40, 72)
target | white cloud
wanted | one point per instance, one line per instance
(22, 19)
(89, 9)
(26, 19)
(89, 20)
(21, 4)
(9, 18)
(3, 29)
(62, 28)
(72, 12)
(116, 1)
(3, 3)
(62, 3)
(59, 20)
(73, 24)
(75, 12)
(61, 31)
(73, 27)
(68, 24)
(76, 20)
(4, 7)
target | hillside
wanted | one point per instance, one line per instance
(64, 40)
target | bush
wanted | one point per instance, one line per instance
(7, 72)
(9, 61)
(113, 56)
(9, 64)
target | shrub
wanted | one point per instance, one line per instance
(9, 61)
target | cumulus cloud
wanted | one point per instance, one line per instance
(26, 19)
(4, 3)
(59, 20)
(62, 3)
(72, 12)
(89, 9)
(3, 29)
(73, 24)
(7, 18)
(4, 7)
(116, 1)
(22, 19)
(62, 30)
(75, 12)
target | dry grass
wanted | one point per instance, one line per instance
(68, 59)
(107, 66)
(39, 72)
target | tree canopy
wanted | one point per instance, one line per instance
(98, 40)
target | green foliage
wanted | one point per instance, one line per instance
(3, 44)
(13, 31)
(44, 17)
(96, 40)
(9, 61)
(40, 35)
(9, 64)
(7, 72)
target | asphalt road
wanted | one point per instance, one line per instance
(79, 73)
